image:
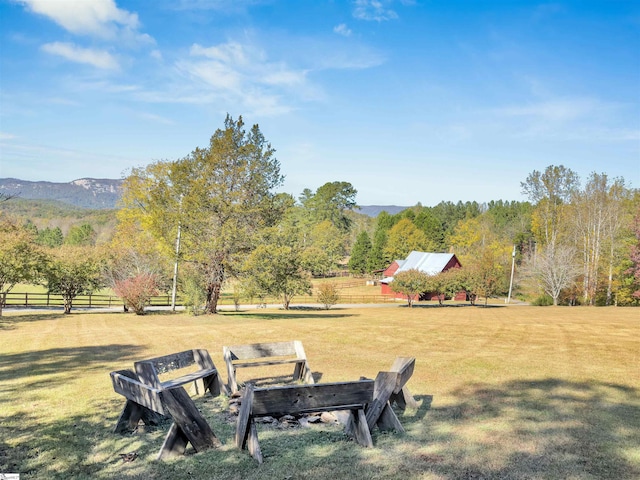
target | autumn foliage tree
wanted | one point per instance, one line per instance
(634, 269)
(136, 291)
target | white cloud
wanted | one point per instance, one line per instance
(242, 74)
(97, 58)
(98, 18)
(342, 29)
(155, 118)
(231, 52)
(228, 6)
(558, 110)
(7, 136)
(376, 10)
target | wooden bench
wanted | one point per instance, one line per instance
(295, 399)
(263, 354)
(146, 403)
(150, 370)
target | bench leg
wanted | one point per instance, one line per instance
(388, 420)
(404, 399)
(244, 421)
(233, 384)
(214, 384)
(175, 443)
(359, 429)
(252, 442)
(188, 423)
(131, 414)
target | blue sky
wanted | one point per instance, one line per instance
(408, 100)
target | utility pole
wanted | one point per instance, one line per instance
(174, 288)
(175, 272)
(513, 267)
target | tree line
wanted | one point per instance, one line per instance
(196, 223)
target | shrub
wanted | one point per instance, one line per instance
(194, 295)
(543, 301)
(136, 291)
(328, 295)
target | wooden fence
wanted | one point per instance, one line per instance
(17, 299)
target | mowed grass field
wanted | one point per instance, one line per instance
(504, 392)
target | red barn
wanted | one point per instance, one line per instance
(429, 263)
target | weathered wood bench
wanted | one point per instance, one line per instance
(295, 399)
(391, 387)
(146, 403)
(150, 371)
(263, 354)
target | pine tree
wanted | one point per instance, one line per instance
(359, 261)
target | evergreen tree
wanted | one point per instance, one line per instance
(50, 237)
(377, 260)
(359, 261)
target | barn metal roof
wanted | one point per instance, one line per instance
(427, 262)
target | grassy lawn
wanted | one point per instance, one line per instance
(503, 392)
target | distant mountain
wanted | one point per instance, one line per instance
(85, 192)
(374, 210)
(101, 193)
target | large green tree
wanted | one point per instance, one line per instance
(275, 266)
(330, 202)
(403, 238)
(220, 196)
(73, 271)
(21, 260)
(324, 248)
(551, 191)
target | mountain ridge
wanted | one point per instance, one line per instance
(93, 193)
(104, 193)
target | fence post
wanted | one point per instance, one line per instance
(26, 299)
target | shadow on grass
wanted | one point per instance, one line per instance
(548, 428)
(287, 316)
(10, 319)
(457, 305)
(35, 363)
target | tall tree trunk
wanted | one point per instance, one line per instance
(215, 279)
(67, 305)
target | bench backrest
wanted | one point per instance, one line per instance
(263, 350)
(294, 399)
(125, 384)
(148, 370)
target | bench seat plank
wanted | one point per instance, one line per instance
(265, 363)
(188, 378)
(266, 354)
(294, 399)
(309, 398)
